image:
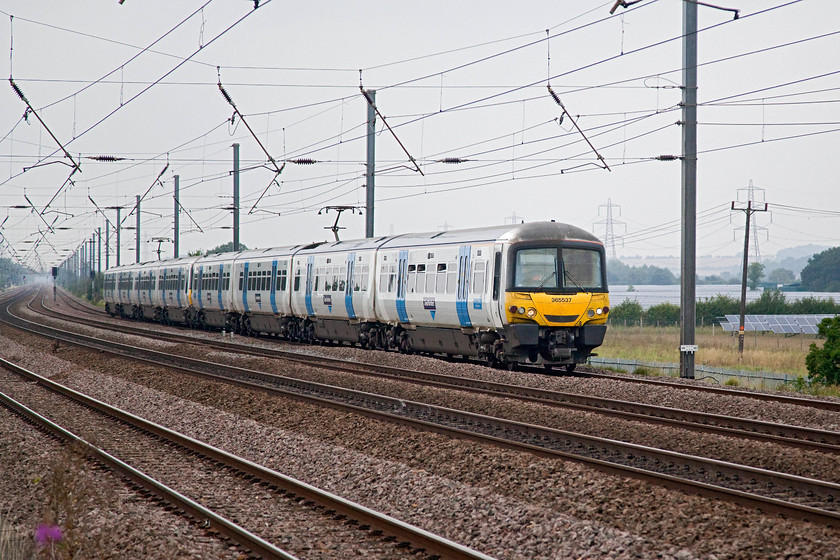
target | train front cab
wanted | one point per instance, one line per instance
(556, 303)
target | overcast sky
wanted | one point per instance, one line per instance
(138, 81)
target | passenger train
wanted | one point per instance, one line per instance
(516, 294)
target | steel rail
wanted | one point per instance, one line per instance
(201, 514)
(833, 406)
(402, 531)
(609, 455)
(768, 397)
(783, 434)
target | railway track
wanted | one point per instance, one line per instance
(188, 474)
(773, 432)
(822, 404)
(757, 488)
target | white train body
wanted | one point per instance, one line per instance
(529, 293)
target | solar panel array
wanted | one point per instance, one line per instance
(779, 324)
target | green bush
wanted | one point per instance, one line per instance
(627, 311)
(770, 302)
(663, 314)
(814, 306)
(707, 310)
(824, 363)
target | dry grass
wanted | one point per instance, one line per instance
(13, 545)
(762, 351)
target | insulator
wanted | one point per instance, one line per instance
(452, 160)
(105, 158)
(667, 158)
(18, 91)
(554, 95)
(303, 161)
(226, 96)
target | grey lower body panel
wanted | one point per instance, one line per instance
(214, 318)
(263, 322)
(439, 340)
(336, 329)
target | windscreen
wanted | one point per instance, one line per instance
(550, 268)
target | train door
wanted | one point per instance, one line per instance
(402, 277)
(244, 274)
(273, 287)
(481, 270)
(199, 281)
(310, 270)
(463, 286)
(348, 286)
(223, 306)
(497, 297)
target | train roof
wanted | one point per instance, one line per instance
(271, 252)
(515, 233)
(535, 231)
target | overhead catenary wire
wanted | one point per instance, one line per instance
(517, 155)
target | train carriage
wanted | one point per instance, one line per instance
(260, 292)
(433, 287)
(210, 292)
(124, 298)
(333, 291)
(146, 285)
(171, 297)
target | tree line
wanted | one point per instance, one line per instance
(771, 302)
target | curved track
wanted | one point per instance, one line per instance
(773, 432)
(759, 488)
(139, 440)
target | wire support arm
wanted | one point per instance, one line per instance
(229, 99)
(32, 110)
(388, 126)
(566, 112)
(181, 206)
(272, 182)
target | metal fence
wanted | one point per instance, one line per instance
(761, 379)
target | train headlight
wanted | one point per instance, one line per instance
(521, 310)
(590, 313)
(531, 312)
(599, 311)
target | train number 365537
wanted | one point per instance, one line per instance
(561, 300)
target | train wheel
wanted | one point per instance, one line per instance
(511, 366)
(570, 368)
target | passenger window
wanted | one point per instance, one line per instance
(365, 278)
(441, 278)
(479, 273)
(430, 282)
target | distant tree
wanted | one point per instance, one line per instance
(755, 273)
(225, 248)
(770, 302)
(824, 363)
(822, 273)
(196, 253)
(709, 309)
(713, 279)
(663, 314)
(781, 276)
(628, 311)
(620, 273)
